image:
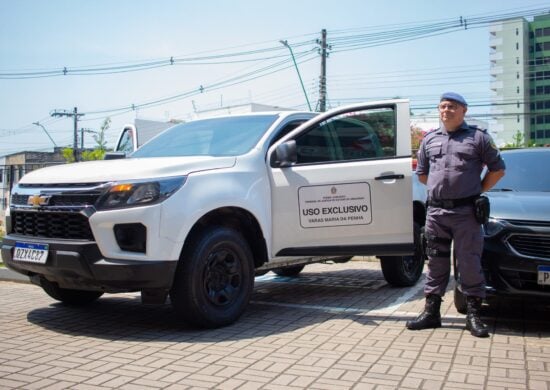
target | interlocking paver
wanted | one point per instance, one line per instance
(338, 327)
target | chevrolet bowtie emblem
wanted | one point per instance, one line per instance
(38, 200)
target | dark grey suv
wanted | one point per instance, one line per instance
(516, 255)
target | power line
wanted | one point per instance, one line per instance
(340, 44)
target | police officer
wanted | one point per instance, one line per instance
(450, 161)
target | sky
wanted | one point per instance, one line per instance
(166, 59)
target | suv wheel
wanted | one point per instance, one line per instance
(214, 279)
(404, 271)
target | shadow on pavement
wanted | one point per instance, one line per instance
(279, 306)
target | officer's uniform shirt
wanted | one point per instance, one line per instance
(453, 161)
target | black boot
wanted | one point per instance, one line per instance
(473, 322)
(430, 317)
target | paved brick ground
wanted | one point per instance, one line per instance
(336, 327)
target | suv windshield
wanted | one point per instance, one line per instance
(525, 171)
(227, 136)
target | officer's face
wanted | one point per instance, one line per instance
(451, 114)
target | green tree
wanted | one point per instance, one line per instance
(68, 155)
(518, 141)
(99, 150)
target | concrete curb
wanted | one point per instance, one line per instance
(12, 276)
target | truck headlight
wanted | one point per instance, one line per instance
(138, 193)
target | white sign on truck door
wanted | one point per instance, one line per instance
(335, 205)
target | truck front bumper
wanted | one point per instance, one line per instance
(79, 265)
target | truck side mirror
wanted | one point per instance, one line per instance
(285, 154)
(114, 155)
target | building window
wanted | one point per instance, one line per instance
(517, 89)
(540, 134)
(540, 121)
(533, 135)
(546, 133)
(518, 104)
(518, 118)
(517, 31)
(532, 122)
(517, 75)
(517, 46)
(517, 60)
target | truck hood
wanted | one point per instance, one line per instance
(532, 206)
(125, 169)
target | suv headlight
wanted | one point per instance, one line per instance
(138, 193)
(493, 227)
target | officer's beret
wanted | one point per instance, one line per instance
(453, 96)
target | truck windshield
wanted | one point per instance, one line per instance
(227, 136)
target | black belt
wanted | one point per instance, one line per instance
(451, 203)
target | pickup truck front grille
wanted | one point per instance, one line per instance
(67, 225)
(74, 200)
(54, 210)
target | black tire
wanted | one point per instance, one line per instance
(214, 279)
(460, 301)
(404, 271)
(289, 271)
(69, 296)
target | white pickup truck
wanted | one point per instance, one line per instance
(205, 206)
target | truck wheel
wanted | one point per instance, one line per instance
(289, 271)
(214, 279)
(404, 271)
(460, 301)
(69, 296)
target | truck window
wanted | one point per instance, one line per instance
(356, 136)
(126, 143)
(223, 136)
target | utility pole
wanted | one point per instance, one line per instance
(82, 131)
(323, 77)
(75, 115)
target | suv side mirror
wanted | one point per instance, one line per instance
(285, 154)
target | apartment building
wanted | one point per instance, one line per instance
(520, 80)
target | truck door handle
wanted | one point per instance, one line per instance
(390, 177)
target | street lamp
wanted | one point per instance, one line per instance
(45, 131)
(297, 71)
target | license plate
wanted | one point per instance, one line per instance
(544, 274)
(32, 253)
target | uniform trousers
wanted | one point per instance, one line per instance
(460, 226)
